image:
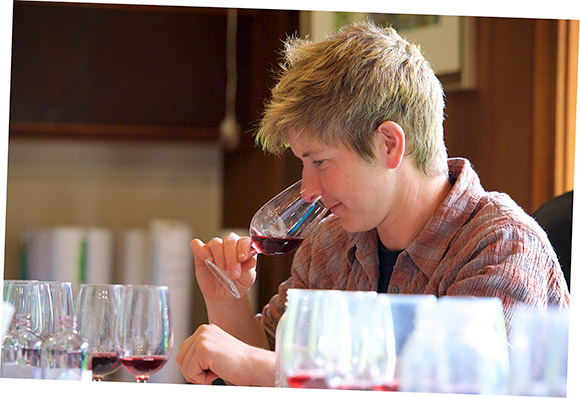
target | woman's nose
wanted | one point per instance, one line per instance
(310, 189)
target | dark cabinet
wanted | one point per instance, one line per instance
(95, 71)
(89, 70)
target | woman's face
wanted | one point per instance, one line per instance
(356, 191)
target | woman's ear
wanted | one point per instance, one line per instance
(391, 141)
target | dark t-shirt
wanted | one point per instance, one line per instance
(387, 260)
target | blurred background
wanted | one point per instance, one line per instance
(119, 153)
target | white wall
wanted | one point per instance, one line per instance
(111, 184)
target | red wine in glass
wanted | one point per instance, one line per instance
(307, 380)
(103, 363)
(143, 366)
(393, 386)
(144, 330)
(275, 246)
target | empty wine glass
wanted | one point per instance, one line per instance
(459, 346)
(56, 301)
(97, 307)
(144, 332)
(405, 308)
(539, 351)
(24, 296)
(278, 227)
(21, 346)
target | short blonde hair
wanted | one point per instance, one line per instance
(339, 90)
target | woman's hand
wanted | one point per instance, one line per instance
(232, 253)
(211, 352)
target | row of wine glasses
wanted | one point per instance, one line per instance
(117, 324)
(44, 301)
(369, 341)
(38, 307)
(336, 339)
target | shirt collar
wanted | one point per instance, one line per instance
(429, 247)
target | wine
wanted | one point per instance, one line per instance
(143, 365)
(275, 246)
(307, 380)
(103, 363)
(393, 386)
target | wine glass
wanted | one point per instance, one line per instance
(539, 351)
(144, 332)
(97, 307)
(24, 296)
(278, 227)
(314, 345)
(369, 324)
(21, 345)
(405, 309)
(56, 300)
(459, 346)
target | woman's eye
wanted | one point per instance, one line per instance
(317, 163)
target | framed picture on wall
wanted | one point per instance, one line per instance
(447, 42)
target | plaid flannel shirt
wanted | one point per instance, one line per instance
(477, 243)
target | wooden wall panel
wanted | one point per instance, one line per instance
(566, 100)
(543, 165)
(505, 126)
(82, 70)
